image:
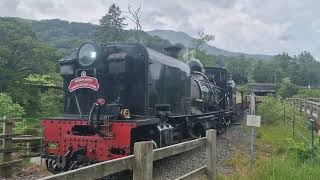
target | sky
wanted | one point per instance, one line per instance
(249, 26)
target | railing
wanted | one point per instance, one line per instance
(303, 118)
(141, 162)
(9, 146)
(308, 106)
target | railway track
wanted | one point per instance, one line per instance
(176, 166)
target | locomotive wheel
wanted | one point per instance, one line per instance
(227, 122)
(52, 166)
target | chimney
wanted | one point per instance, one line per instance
(172, 51)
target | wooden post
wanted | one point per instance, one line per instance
(305, 106)
(7, 129)
(143, 160)
(310, 109)
(211, 153)
(300, 107)
(284, 113)
(28, 150)
(318, 109)
(242, 102)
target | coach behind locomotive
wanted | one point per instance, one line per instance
(118, 94)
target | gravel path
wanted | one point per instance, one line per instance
(176, 166)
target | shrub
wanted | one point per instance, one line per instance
(302, 152)
(9, 108)
(309, 93)
(51, 103)
(287, 89)
(271, 110)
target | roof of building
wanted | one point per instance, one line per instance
(263, 87)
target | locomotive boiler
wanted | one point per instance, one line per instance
(119, 94)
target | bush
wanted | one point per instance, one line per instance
(9, 108)
(287, 89)
(271, 110)
(302, 152)
(51, 103)
(308, 93)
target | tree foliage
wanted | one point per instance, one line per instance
(51, 103)
(302, 70)
(271, 110)
(9, 108)
(63, 35)
(21, 55)
(287, 89)
(111, 26)
(202, 39)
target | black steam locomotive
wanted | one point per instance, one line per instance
(118, 94)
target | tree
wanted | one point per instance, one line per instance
(9, 108)
(51, 103)
(287, 90)
(305, 70)
(267, 72)
(134, 16)
(21, 55)
(196, 44)
(111, 26)
(240, 69)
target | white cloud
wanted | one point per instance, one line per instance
(316, 25)
(251, 26)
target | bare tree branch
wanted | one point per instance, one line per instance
(134, 15)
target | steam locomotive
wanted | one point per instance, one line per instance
(119, 94)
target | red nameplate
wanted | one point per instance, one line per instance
(83, 82)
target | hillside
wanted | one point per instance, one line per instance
(185, 39)
(65, 36)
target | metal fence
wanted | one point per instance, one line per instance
(301, 119)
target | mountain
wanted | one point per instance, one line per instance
(185, 39)
(66, 36)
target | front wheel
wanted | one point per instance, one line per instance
(52, 166)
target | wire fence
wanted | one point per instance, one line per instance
(302, 123)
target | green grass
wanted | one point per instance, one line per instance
(288, 169)
(275, 157)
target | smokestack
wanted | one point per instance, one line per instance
(172, 51)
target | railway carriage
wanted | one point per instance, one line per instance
(119, 94)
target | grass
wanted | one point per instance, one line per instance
(289, 169)
(275, 157)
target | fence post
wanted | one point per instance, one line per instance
(7, 129)
(284, 113)
(242, 102)
(305, 106)
(300, 107)
(293, 122)
(211, 153)
(311, 109)
(143, 160)
(312, 134)
(28, 150)
(318, 107)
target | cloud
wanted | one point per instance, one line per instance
(249, 26)
(316, 25)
